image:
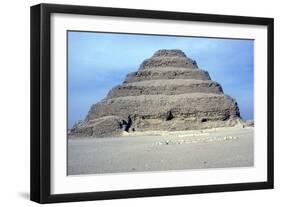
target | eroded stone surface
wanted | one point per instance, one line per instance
(168, 58)
(167, 73)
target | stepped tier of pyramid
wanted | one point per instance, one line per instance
(168, 92)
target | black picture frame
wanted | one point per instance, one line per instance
(40, 184)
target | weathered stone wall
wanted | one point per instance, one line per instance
(167, 87)
(166, 74)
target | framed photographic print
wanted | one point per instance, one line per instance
(133, 103)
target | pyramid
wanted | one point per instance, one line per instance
(168, 92)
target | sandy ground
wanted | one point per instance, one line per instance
(159, 151)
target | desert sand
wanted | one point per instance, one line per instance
(161, 151)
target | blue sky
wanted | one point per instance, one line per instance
(99, 61)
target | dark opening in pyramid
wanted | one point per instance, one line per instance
(168, 92)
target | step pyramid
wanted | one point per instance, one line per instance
(168, 92)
